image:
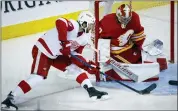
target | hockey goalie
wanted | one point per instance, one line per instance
(122, 54)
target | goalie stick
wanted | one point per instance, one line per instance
(173, 82)
(123, 69)
(144, 91)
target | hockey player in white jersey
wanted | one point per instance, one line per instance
(53, 49)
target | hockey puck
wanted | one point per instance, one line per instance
(173, 82)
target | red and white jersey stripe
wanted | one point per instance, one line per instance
(49, 43)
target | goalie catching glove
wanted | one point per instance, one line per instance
(93, 70)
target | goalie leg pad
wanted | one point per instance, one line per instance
(142, 70)
(104, 50)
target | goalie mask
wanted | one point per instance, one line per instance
(86, 20)
(124, 14)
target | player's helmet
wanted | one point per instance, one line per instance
(124, 14)
(86, 20)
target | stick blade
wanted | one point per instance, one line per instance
(173, 82)
(148, 89)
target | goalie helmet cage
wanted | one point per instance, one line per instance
(108, 6)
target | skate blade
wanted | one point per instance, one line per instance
(5, 108)
(94, 98)
(103, 98)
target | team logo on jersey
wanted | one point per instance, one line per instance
(124, 38)
(74, 45)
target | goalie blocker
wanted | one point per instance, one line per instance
(148, 70)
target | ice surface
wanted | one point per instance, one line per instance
(58, 93)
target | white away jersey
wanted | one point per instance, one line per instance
(49, 43)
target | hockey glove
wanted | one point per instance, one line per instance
(93, 70)
(65, 48)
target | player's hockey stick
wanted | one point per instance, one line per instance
(173, 82)
(144, 91)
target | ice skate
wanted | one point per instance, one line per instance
(8, 103)
(95, 94)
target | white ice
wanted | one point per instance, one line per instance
(59, 93)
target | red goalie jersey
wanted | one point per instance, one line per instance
(126, 34)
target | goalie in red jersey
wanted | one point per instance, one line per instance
(126, 35)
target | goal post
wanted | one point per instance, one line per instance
(172, 60)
